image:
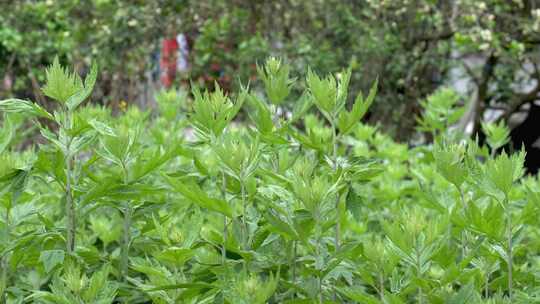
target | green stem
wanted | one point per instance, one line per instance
(294, 262)
(126, 239)
(486, 286)
(319, 275)
(334, 156)
(70, 204)
(381, 286)
(5, 258)
(318, 253)
(244, 222)
(464, 242)
(224, 245)
(292, 266)
(509, 252)
(419, 274)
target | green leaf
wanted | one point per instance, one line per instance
(497, 135)
(504, 170)
(102, 128)
(51, 259)
(15, 105)
(157, 159)
(301, 107)
(280, 225)
(465, 295)
(194, 193)
(61, 84)
(99, 287)
(212, 112)
(356, 294)
(6, 133)
(440, 111)
(194, 285)
(80, 143)
(324, 93)
(133, 191)
(347, 120)
(449, 160)
(175, 255)
(275, 76)
(262, 116)
(18, 183)
(76, 99)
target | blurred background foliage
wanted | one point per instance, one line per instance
(487, 50)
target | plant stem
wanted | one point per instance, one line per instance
(486, 286)
(126, 238)
(224, 245)
(337, 238)
(5, 259)
(419, 273)
(334, 156)
(381, 286)
(338, 226)
(464, 241)
(294, 262)
(319, 281)
(318, 254)
(320, 290)
(509, 252)
(70, 205)
(244, 222)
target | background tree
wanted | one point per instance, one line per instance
(488, 50)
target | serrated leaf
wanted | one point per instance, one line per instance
(14, 105)
(193, 193)
(76, 99)
(51, 259)
(280, 226)
(102, 128)
(356, 294)
(61, 84)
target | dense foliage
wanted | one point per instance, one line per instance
(302, 204)
(490, 46)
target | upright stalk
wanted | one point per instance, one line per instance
(126, 240)
(5, 259)
(337, 237)
(464, 241)
(224, 245)
(126, 237)
(244, 222)
(334, 156)
(381, 286)
(318, 254)
(292, 266)
(509, 252)
(294, 262)
(419, 273)
(70, 209)
(319, 276)
(486, 286)
(70, 204)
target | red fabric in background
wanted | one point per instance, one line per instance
(167, 61)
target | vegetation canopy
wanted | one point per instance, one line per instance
(302, 203)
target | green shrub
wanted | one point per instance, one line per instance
(301, 204)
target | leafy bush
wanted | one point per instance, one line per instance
(302, 204)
